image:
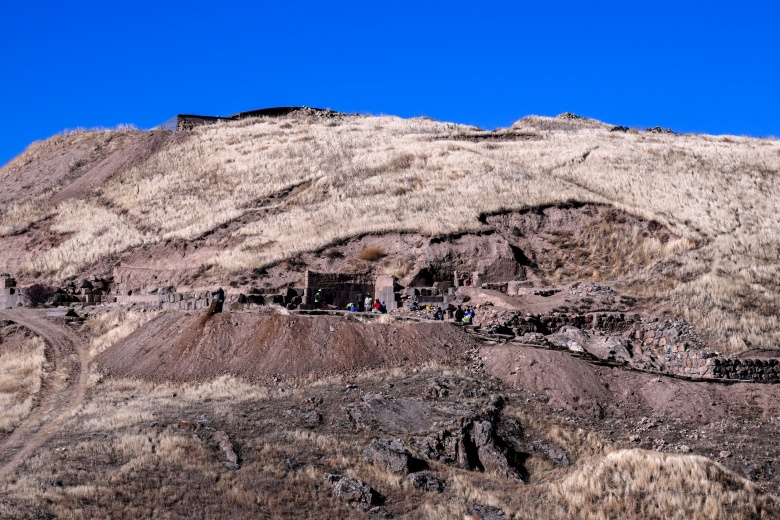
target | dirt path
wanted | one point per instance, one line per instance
(63, 390)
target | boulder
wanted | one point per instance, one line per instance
(226, 445)
(313, 418)
(425, 482)
(388, 455)
(352, 491)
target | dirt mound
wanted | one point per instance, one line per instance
(594, 391)
(189, 347)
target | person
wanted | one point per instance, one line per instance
(468, 317)
(351, 307)
(219, 300)
(382, 308)
(414, 304)
(318, 299)
(367, 304)
(439, 314)
(377, 306)
(459, 315)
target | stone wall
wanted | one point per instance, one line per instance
(339, 289)
(673, 345)
(682, 353)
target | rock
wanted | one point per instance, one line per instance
(425, 482)
(724, 454)
(635, 438)
(482, 433)
(484, 512)
(379, 512)
(618, 349)
(352, 491)
(552, 451)
(570, 338)
(388, 455)
(313, 418)
(473, 443)
(226, 445)
(684, 449)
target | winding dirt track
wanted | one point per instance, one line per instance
(63, 390)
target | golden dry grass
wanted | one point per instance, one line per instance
(21, 378)
(107, 329)
(651, 485)
(361, 175)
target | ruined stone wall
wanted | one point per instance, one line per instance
(673, 346)
(681, 353)
(339, 289)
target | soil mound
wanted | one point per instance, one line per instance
(196, 347)
(597, 392)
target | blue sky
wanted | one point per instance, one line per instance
(692, 66)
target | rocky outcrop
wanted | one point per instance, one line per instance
(390, 456)
(474, 443)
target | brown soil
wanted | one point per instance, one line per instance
(635, 409)
(194, 347)
(580, 387)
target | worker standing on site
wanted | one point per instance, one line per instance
(368, 303)
(459, 315)
(318, 299)
(219, 300)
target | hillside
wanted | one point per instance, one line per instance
(623, 362)
(228, 202)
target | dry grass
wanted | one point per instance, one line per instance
(372, 254)
(107, 329)
(23, 364)
(128, 453)
(642, 484)
(363, 175)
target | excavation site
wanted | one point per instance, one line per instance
(299, 313)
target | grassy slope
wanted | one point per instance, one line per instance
(370, 174)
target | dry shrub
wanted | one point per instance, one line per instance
(372, 254)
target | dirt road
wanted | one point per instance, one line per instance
(63, 389)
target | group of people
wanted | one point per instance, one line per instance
(464, 317)
(369, 305)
